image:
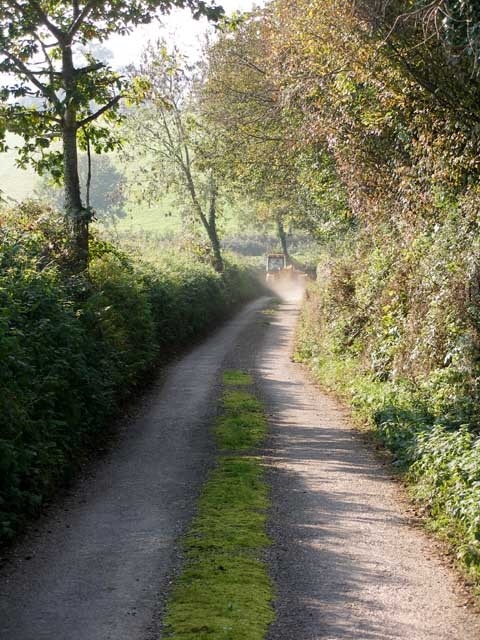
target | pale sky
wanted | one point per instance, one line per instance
(179, 27)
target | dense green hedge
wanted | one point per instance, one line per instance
(394, 328)
(69, 348)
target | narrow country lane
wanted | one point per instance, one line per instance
(97, 568)
(346, 562)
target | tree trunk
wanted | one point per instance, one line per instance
(282, 236)
(216, 249)
(89, 171)
(76, 213)
(212, 228)
(209, 224)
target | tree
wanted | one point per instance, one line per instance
(41, 41)
(241, 101)
(384, 107)
(264, 157)
(176, 149)
(454, 24)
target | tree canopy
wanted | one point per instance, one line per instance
(45, 49)
(169, 139)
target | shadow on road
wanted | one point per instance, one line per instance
(345, 561)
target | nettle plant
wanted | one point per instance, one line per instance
(55, 89)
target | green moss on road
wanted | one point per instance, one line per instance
(237, 378)
(224, 591)
(242, 425)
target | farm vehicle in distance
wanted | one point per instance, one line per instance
(281, 274)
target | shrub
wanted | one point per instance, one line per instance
(70, 348)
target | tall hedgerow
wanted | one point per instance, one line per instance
(71, 347)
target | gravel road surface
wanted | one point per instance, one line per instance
(346, 560)
(98, 567)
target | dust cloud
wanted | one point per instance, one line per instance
(289, 290)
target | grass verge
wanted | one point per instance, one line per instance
(237, 378)
(224, 591)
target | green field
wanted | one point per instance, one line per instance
(161, 218)
(166, 217)
(15, 183)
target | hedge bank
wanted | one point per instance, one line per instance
(72, 347)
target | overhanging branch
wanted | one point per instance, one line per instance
(98, 113)
(81, 17)
(56, 31)
(23, 69)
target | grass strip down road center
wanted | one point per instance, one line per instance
(224, 591)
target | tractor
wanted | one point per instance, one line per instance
(283, 275)
(277, 269)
